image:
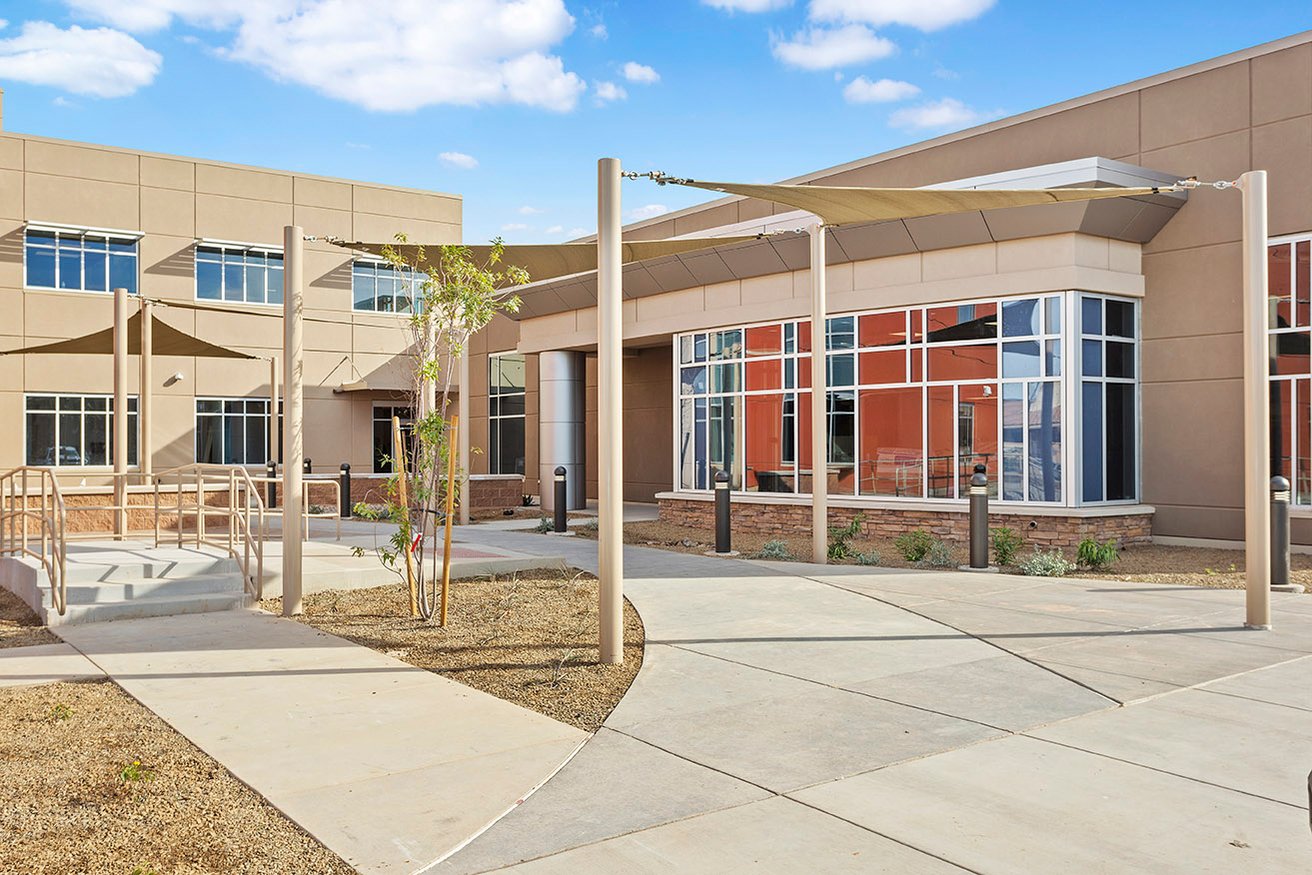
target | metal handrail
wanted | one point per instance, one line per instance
(308, 480)
(247, 520)
(15, 536)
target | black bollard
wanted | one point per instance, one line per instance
(979, 518)
(307, 465)
(271, 471)
(1280, 534)
(346, 490)
(722, 513)
(559, 500)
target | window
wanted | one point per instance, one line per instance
(1289, 292)
(383, 450)
(379, 287)
(506, 388)
(917, 398)
(80, 261)
(233, 431)
(242, 275)
(75, 431)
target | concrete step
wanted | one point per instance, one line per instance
(158, 606)
(91, 569)
(130, 589)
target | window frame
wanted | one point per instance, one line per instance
(134, 418)
(394, 408)
(83, 232)
(224, 399)
(414, 279)
(494, 460)
(1296, 389)
(224, 247)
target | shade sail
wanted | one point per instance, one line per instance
(548, 261)
(165, 340)
(840, 205)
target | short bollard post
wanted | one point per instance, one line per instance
(559, 499)
(979, 518)
(346, 490)
(722, 544)
(308, 465)
(271, 471)
(1280, 537)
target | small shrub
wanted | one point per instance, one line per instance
(775, 549)
(590, 525)
(1006, 544)
(545, 524)
(1045, 563)
(938, 555)
(870, 557)
(61, 712)
(840, 539)
(1094, 556)
(527, 500)
(316, 508)
(134, 772)
(914, 545)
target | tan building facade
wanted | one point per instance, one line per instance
(1163, 388)
(77, 219)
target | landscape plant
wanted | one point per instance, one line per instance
(1006, 544)
(1096, 556)
(1045, 563)
(840, 539)
(869, 557)
(775, 549)
(913, 545)
(937, 555)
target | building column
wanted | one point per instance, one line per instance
(561, 379)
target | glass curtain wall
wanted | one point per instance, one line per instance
(917, 398)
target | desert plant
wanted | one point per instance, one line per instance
(937, 555)
(1095, 556)
(527, 500)
(774, 549)
(1006, 544)
(913, 545)
(869, 557)
(134, 772)
(61, 712)
(1045, 563)
(840, 539)
(545, 524)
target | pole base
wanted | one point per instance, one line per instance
(1258, 627)
(992, 569)
(568, 533)
(1287, 587)
(730, 554)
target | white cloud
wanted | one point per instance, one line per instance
(396, 56)
(99, 62)
(819, 48)
(63, 103)
(514, 226)
(748, 5)
(598, 31)
(921, 14)
(862, 90)
(607, 91)
(530, 211)
(556, 229)
(459, 159)
(650, 211)
(635, 72)
(946, 113)
(577, 232)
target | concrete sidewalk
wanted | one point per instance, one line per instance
(808, 718)
(388, 765)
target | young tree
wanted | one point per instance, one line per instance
(453, 296)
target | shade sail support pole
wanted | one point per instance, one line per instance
(146, 402)
(293, 432)
(1257, 403)
(610, 406)
(819, 399)
(120, 412)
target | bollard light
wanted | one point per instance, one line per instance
(560, 498)
(346, 490)
(1280, 537)
(722, 545)
(979, 519)
(307, 467)
(271, 471)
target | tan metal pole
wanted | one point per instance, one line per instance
(146, 398)
(819, 398)
(273, 409)
(462, 435)
(610, 407)
(1257, 403)
(120, 410)
(293, 343)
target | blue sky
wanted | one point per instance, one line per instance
(510, 102)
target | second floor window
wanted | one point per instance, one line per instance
(242, 276)
(80, 261)
(381, 288)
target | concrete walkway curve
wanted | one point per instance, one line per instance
(791, 717)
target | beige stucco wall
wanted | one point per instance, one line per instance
(173, 201)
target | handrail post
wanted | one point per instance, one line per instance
(179, 510)
(232, 500)
(155, 483)
(200, 507)
(24, 510)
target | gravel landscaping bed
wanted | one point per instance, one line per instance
(19, 627)
(1139, 563)
(530, 639)
(95, 783)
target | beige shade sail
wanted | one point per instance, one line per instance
(838, 205)
(167, 340)
(548, 261)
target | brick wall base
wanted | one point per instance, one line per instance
(1041, 530)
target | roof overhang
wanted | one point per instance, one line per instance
(1133, 219)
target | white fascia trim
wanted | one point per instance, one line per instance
(64, 227)
(941, 506)
(237, 244)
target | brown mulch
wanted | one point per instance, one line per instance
(1139, 563)
(67, 807)
(19, 627)
(530, 639)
